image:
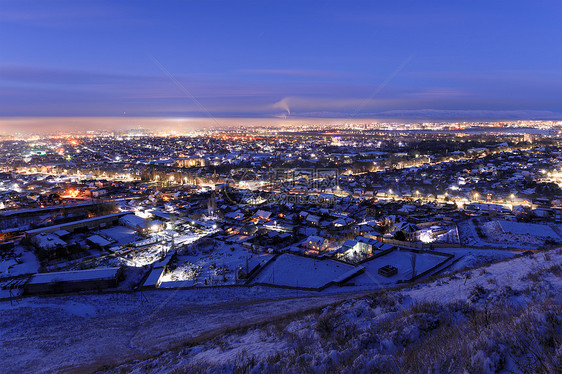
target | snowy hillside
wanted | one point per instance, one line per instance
(505, 317)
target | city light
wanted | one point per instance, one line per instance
(280, 186)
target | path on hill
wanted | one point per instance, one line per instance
(84, 332)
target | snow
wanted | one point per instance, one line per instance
(381, 327)
(47, 241)
(144, 256)
(6, 266)
(61, 233)
(121, 234)
(132, 220)
(79, 309)
(473, 257)
(9, 267)
(99, 240)
(216, 263)
(493, 235)
(84, 332)
(349, 274)
(297, 271)
(29, 264)
(154, 278)
(74, 276)
(510, 273)
(520, 228)
(401, 260)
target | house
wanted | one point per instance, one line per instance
(341, 222)
(411, 231)
(303, 214)
(313, 219)
(262, 214)
(47, 241)
(71, 281)
(359, 245)
(248, 230)
(98, 192)
(135, 222)
(316, 243)
(366, 245)
(98, 241)
(350, 248)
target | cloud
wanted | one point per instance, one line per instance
(39, 75)
(58, 14)
(472, 114)
(29, 90)
(296, 73)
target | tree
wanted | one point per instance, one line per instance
(413, 258)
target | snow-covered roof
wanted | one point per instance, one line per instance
(316, 239)
(60, 233)
(407, 227)
(349, 243)
(96, 239)
(48, 241)
(134, 221)
(74, 276)
(263, 214)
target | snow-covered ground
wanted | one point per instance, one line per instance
(87, 331)
(502, 318)
(400, 260)
(144, 255)
(298, 271)
(45, 335)
(473, 257)
(217, 266)
(505, 234)
(10, 267)
(518, 234)
(532, 229)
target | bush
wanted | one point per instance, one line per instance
(327, 323)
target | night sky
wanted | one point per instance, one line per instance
(341, 59)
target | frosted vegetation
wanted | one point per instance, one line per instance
(505, 317)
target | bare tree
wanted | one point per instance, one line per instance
(413, 258)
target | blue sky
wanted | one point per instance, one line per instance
(347, 59)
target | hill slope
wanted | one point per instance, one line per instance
(505, 317)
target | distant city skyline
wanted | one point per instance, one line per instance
(299, 60)
(185, 125)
